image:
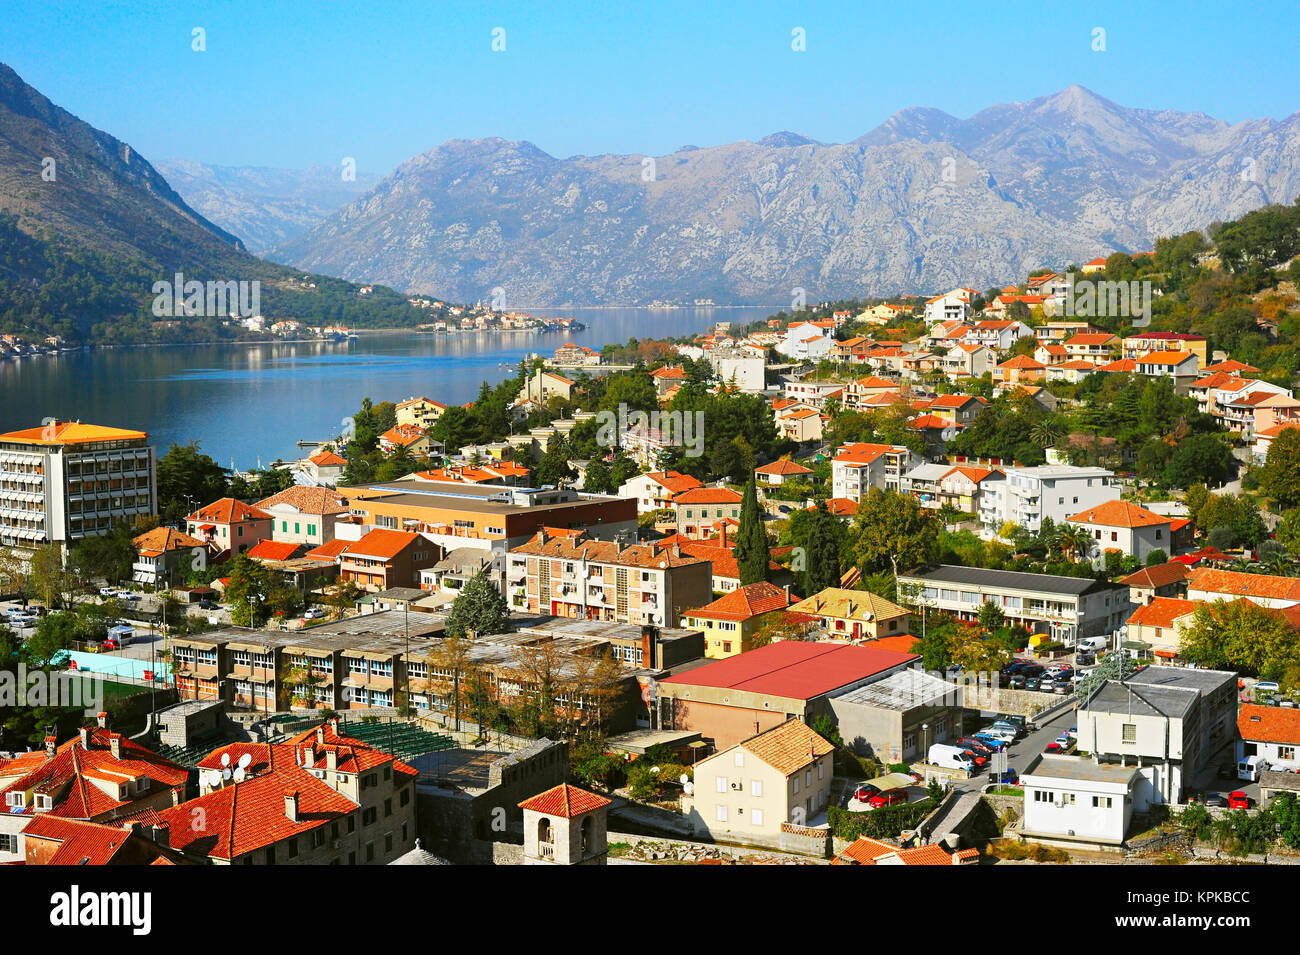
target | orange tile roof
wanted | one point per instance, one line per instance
(324, 459)
(745, 603)
(668, 372)
(163, 539)
(80, 843)
(1163, 611)
(1244, 585)
(382, 543)
(674, 481)
(1118, 514)
(975, 474)
(1022, 361)
(605, 552)
(789, 747)
(403, 434)
(1161, 575)
(922, 422)
(952, 401)
(707, 495)
(70, 432)
(783, 466)
(1268, 724)
(308, 500)
(1172, 358)
(272, 550)
(564, 801)
(1119, 365)
(74, 770)
(228, 510)
(1091, 338)
(330, 550)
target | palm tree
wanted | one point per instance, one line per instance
(1046, 433)
(1078, 540)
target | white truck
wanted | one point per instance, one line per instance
(1249, 768)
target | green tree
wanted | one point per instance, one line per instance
(892, 530)
(110, 556)
(991, 617)
(1288, 531)
(1281, 478)
(752, 552)
(479, 608)
(187, 480)
(822, 551)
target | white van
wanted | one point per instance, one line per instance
(1093, 644)
(949, 757)
(1250, 767)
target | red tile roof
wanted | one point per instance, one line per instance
(673, 481)
(1244, 585)
(80, 843)
(330, 550)
(564, 801)
(308, 500)
(1161, 575)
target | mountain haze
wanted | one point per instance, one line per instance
(922, 202)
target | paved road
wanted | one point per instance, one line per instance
(1022, 752)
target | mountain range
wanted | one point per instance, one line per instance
(923, 202)
(88, 226)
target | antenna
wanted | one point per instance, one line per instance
(245, 760)
(225, 773)
(225, 759)
(239, 774)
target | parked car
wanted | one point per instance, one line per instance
(1009, 775)
(892, 797)
(977, 745)
(1062, 687)
(1017, 682)
(314, 613)
(1033, 683)
(1053, 749)
(108, 591)
(1216, 800)
(207, 605)
(1266, 686)
(1238, 800)
(1084, 659)
(995, 743)
(1065, 741)
(864, 793)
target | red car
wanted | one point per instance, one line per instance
(892, 797)
(865, 793)
(1052, 749)
(1238, 800)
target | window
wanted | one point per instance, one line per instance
(807, 777)
(1286, 752)
(1130, 733)
(740, 757)
(796, 783)
(722, 784)
(756, 817)
(8, 842)
(821, 770)
(1101, 802)
(722, 814)
(1067, 799)
(756, 787)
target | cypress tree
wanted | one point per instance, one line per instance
(752, 553)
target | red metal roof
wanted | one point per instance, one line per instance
(794, 669)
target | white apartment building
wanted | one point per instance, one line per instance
(856, 468)
(737, 366)
(1067, 608)
(1028, 495)
(64, 480)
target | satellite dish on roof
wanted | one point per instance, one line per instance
(245, 760)
(225, 759)
(239, 774)
(225, 773)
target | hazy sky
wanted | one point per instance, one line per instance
(307, 83)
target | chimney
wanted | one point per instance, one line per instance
(115, 744)
(331, 759)
(84, 733)
(309, 756)
(102, 719)
(320, 734)
(161, 835)
(291, 805)
(722, 534)
(51, 746)
(334, 725)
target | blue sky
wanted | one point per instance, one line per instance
(306, 83)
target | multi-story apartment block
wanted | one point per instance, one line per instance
(856, 468)
(385, 558)
(1028, 495)
(229, 525)
(1067, 608)
(604, 580)
(457, 514)
(65, 480)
